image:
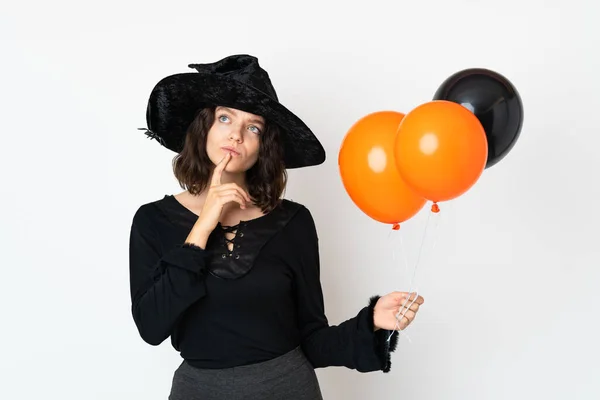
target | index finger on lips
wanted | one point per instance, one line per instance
(219, 168)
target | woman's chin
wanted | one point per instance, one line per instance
(234, 168)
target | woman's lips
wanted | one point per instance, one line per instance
(230, 150)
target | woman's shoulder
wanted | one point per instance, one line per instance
(288, 214)
(293, 207)
(150, 210)
(150, 205)
(300, 215)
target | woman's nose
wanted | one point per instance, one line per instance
(236, 133)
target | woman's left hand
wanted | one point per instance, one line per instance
(386, 310)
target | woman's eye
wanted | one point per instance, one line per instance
(254, 129)
(224, 118)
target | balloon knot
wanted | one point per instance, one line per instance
(435, 208)
(396, 227)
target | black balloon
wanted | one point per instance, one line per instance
(495, 102)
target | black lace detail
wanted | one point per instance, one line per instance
(250, 237)
(227, 242)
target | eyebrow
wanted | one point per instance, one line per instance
(255, 120)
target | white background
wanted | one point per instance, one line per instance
(511, 288)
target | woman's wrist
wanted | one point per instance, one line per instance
(198, 236)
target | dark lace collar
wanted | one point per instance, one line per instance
(250, 237)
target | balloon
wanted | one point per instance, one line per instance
(368, 170)
(495, 102)
(440, 150)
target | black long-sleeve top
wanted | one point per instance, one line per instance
(225, 308)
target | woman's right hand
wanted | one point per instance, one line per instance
(218, 195)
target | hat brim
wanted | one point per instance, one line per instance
(176, 99)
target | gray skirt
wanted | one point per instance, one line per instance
(290, 377)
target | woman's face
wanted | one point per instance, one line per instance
(238, 133)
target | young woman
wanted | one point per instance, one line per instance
(229, 269)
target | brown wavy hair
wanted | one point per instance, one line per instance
(266, 179)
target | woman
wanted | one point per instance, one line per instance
(230, 270)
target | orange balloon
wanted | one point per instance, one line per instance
(440, 150)
(369, 173)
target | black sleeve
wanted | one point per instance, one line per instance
(162, 286)
(353, 343)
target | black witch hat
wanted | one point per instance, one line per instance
(237, 82)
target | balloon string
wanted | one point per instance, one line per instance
(402, 251)
(404, 308)
(435, 232)
(405, 271)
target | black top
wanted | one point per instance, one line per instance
(226, 308)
